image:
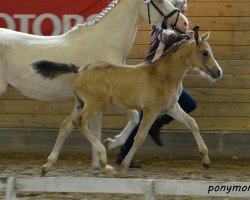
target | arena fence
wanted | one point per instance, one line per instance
(147, 187)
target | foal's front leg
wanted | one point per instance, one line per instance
(149, 116)
(179, 114)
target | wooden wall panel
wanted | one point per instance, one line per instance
(220, 52)
(234, 38)
(222, 106)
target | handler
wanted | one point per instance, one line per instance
(161, 41)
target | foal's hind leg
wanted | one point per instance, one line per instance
(180, 115)
(89, 110)
(122, 137)
(65, 129)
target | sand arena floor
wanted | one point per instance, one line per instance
(28, 165)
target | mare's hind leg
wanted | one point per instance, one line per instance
(149, 116)
(179, 114)
(91, 109)
(122, 137)
(65, 129)
(3, 82)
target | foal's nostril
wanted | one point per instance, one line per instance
(185, 24)
(219, 73)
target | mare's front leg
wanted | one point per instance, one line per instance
(179, 114)
(95, 125)
(149, 116)
(122, 137)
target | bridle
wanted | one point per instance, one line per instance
(165, 17)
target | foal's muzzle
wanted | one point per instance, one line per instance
(216, 74)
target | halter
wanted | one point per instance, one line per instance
(165, 17)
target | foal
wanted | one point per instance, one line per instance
(153, 88)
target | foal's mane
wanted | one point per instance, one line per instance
(175, 47)
(101, 15)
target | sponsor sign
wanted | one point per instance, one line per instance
(47, 17)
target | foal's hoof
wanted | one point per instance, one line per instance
(124, 172)
(205, 166)
(124, 169)
(44, 170)
(109, 170)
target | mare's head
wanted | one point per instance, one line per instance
(162, 13)
(202, 57)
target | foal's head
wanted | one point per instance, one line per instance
(203, 59)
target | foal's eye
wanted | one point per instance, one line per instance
(205, 53)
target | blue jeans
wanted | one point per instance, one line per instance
(186, 102)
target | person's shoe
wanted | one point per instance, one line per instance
(155, 135)
(132, 165)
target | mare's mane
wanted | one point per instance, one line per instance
(98, 17)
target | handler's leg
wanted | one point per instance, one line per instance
(180, 115)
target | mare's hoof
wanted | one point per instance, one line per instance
(205, 165)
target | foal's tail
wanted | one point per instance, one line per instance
(50, 69)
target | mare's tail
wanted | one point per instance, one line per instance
(51, 70)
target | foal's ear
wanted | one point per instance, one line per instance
(197, 38)
(205, 36)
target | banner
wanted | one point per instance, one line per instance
(47, 17)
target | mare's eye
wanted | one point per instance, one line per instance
(205, 53)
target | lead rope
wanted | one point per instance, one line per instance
(149, 19)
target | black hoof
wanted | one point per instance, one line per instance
(205, 166)
(43, 171)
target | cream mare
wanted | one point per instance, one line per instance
(108, 38)
(153, 88)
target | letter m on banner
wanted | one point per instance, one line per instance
(47, 17)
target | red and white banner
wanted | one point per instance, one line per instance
(47, 17)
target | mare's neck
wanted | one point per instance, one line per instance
(114, 34)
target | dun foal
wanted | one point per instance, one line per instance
(153, 88)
